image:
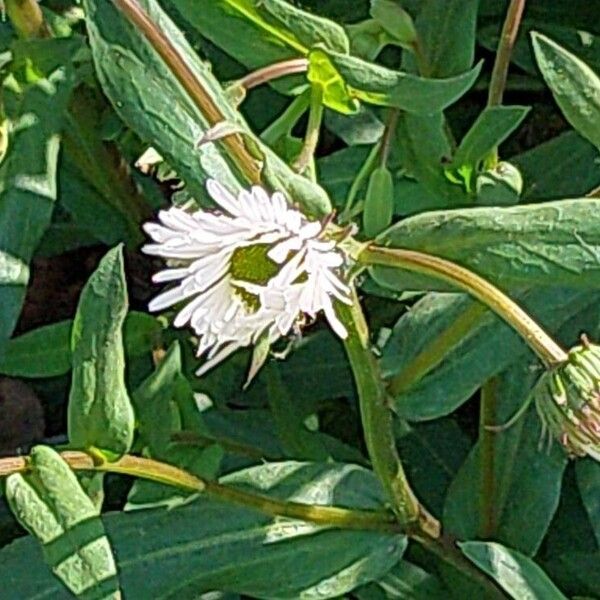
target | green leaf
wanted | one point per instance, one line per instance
(164, 406)
(278, 29)
(550, 244)
(404, 582)
(211, 545)
(378, 85)
(296, 441)
(361, 128)
(588, 481)
(512, 494)
(576, 88)
(432, 454)
(446, 31)
(423, 148)
(336, 95)
(544, 168)
(310, 29)
(448, 345)
(493, 125)
(50, 503)
(395, 21)
(46, 351)
(518, 575)
(100, 413)
(149, 98)
(28, 188)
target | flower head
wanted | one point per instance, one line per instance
(568, 401)
(252, 269)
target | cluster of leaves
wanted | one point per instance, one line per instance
(407, 141)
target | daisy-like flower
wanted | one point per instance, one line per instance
(252, 269)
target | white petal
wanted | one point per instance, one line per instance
(334, 322)
(223, 197)
(280, 252)
(217, 358)
(170, 275)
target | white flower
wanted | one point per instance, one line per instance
(252, 270)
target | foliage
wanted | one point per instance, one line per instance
(316, 479)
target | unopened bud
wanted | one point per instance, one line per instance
(567, 399)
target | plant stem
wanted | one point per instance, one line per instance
(159, 472)
(487, 441)
(315, 116)
(357, 183)
(273, 71)
(541, 343)
(378, 427)
(505, 48)
(284, 123)
(327, 516)
(388, 135)
(234, 143)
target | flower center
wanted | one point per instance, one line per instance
(250, 301)
(251, 264)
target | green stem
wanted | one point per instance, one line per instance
(284, 123)
(388, 136)
(358, 182)
(311, 139)
(505, 48)
(159, 472)
(487, 441)
(176, 63)
(327, 516)
(540, 342)
(378, 426)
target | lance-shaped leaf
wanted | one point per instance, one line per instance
(576, 88)
(49, 502)
(378, 85)
(100, 412)
(213, 545)
(46, 351)
(165, 406)
(277, 28)
(151, 100)
(28, 187)
(517, 574)
(492, 127)
(448, 345)
(550, 244)
(447, 35)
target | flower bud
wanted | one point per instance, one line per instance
(567, 399)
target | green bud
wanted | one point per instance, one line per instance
(379, 202)
(501, 185)
(395, 21)
(567, 399)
